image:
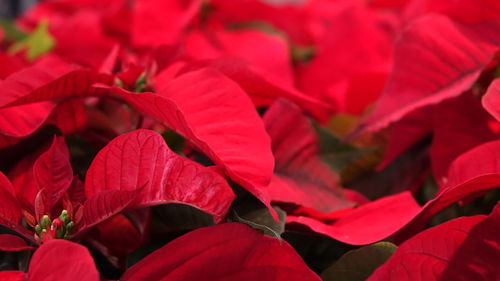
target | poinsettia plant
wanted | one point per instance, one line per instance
(184, 140)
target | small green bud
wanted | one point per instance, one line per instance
(45, 222)
(118, 82)
(65, 217)
(38, 229)
(70, 227)
(140, 83)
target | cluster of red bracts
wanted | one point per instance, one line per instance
(320, 118)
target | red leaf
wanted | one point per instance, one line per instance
(292, 18)
(224, 252)
(266, 51)
(466, 248)
(262, 87)
(118, 235)
(214, 113)
(10, 212)
(49, 79)
(158, 22)
(481, 161)
(70, 116)
(435, 59)
(141, 161)
(91, 46)
(12, 276)
(10, 64)
(21, 121)
(484, 242)
(406, 133)
(470, 11)
(104, 205)
(64, 261)
(52, 171)
(450, 125)
(369, 223)
(471, 173)
(12, 243)
(352, 60)
(300, 175)
(491, 100)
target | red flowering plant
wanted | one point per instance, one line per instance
(247, 139)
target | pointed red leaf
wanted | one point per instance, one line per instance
(470, 11)
(104, 205)
(473, 172)
(300, 175)
(21, 121)
(70, 116)
(64, 261)
(226, 252)
(10, 211)
(491, 100)
(264, 50)
(141, 161)
(450, 125)
(351, 61)
(10, 64)
(92, 44)
(18, 122)
(369, 223)
(52, 171)
(214, 113)
(25, 186)
(12, 276)
(262, 87)
(435, 59)
(12, 243)
(49, 79)
(406, 133)
(484, 241)
(466, 248)
(158, 22)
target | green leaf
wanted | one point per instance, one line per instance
(11, 32)
(359, 264)
(338, 154)
(262, 221)
(38, 43)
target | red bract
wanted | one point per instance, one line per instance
(19, 122)
(300, 177)
(214, 114)
(12, 243)
(195, 139)
(369, 223)
(471, 173)
(257, 48)
(163, 177)
(142, 163)
(50, 79)
(491, 100)
(436, 59)
(348, 78)
(263, 88)
(152, 27)
(224, 252)
(57, 260)
(463, 249)
(450, 124)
